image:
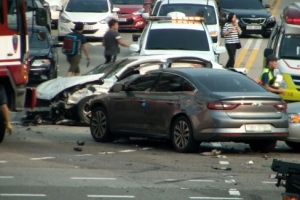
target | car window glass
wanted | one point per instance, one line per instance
(186, 39)
(241, 4)
(187, 86)
(104, 68)
(156, 8)
(143, 83)
(169, 83)
(37, 43)
(118, 67)
(87, 6)
(206, 11)
(143, 68)
(290, 47)
(232, 83)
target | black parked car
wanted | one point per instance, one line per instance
(252, 15)
(43, 55)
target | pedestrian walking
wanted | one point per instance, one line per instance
(4, 112)
(231, 32)
(80, 44)
(111, 41)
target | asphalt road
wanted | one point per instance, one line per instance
(40, 161)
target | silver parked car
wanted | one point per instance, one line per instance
(189, 106)
(293, 140)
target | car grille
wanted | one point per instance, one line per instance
(87, 31)
(123, 14)
(129, 21)
(253, 20)
(87, 23)
(296, 80)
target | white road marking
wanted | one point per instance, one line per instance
(201, 180)
(216, 144)
(248, 43)
(184, 188)
(92, 178)
(23, 195)
(6, 177)
(95, 43)
(224, 162)
(230, 181)
(217, 198)
(234, 192)
(3, 161)
(257, 44)
(84, 155)
(170, 179)
(103, 153)
(110, 196)
(220, 156)
(127, 151)
(269, 182)
(43, 158)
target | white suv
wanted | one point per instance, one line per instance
(163, 35)
(205, 8)
(93, 13)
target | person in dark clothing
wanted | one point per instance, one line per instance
(111, 41)
(231, 32)
(267, 76)
(75, 60)
(4, 110)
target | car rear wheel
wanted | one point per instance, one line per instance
(84, 111)
(293, 145)
(182, 136)
(99, 125)
(264, 146)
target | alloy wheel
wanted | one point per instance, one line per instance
(181, 134)
(99, 124)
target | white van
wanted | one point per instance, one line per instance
(205, 8)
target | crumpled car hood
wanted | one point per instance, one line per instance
(49, 89)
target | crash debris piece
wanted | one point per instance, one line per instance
(272, 176)
(222, 168)
(80, 143)
(77, 149)
(250, 162)
(214, 152)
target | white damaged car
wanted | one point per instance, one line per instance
(68, 97)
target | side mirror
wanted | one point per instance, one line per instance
(57, 44)
(134, 47)
(46, 4)
(41, 36)
(41, 17)
(101, 82)
(267, 6)
(135, 37)
(146, 15)
(116, 10)
(117, 88)
(220, 49)
(268, 51)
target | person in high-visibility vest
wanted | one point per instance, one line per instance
(267, 77)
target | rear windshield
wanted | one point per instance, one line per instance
(290, 47)
(241, 4)
(87, 6)
(126, 2)
(205, 11)
(177, 39)
(232, 83)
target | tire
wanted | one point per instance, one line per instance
(266, 35)
(294, 145)
(180, 127)
(83, 109)
(2, 128)
(263, 146)
(99, 125)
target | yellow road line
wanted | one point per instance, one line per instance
(241, 56)
(253, 54)
(274, 11)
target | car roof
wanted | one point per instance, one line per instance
(209, 2)
(167, 24)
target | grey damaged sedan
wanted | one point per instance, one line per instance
(189, 106)
(293, 141)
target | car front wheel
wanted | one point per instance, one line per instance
(99, 125)
(84, 111)
(264, 146)
(182, 136)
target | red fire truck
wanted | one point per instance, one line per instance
(14, 54)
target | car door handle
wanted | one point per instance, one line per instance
(10, 54)
(141, 100)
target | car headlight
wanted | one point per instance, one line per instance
(213, 33)
(139, 12)
(271, 19)
(294, 118)
(41, 63)
(64, 19)
(279, 79)
(105, 20)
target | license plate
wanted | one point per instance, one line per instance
(122, 19)
(257, 27)
(88, 27)
(258, 128)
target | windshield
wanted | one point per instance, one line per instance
(117, 67)
(177, 39)
(98, 6)
(233, 83)
(205, 11)
(128, 2)
(35, 42)
(241, 4)
(104, 68)
(290, 47)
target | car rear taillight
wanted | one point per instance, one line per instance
(222, 105)
(281, 106)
